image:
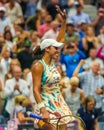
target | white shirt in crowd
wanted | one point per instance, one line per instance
(10, 92)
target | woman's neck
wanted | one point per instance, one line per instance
(47, 59)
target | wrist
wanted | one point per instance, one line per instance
(42, 110)
(41, 105)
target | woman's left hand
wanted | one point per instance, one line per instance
(62, 12)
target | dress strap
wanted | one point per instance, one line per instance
(43, 63)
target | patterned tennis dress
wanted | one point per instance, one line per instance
(51, 94)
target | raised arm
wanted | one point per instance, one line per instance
(78, 68)
(61, 34)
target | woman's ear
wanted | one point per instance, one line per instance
(47, 49)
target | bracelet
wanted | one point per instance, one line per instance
(40, 105)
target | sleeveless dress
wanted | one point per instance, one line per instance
(74, 101)
(51, 95)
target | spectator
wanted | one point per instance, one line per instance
(72, 6)
(4, 21)
(90, 40)
(72, 58)
(5, 60)
(25, 56)
(50, 7)
(82, 33)
(98, 22)
(92, 58)
(73, 95)
(89, 113)
(35, 39)
(79, 16)
(91, 82)
(101, 35)
(31, 8)
(33, 22)
(8, 39)
(21, 104)
(71, 34)
(14, 87)
(46, 26)
(14, 11)
(13, 63)
(52, 33)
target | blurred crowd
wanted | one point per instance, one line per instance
(24, 24)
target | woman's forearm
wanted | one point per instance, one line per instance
(62, 31)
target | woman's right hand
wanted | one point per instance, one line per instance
(45, 114)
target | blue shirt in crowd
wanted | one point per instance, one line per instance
(77, 18)
(71, 62)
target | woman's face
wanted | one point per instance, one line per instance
(71, 48)
(54, 52)
(90, 31)
(90, 105)
(8, 36)
(74, 86)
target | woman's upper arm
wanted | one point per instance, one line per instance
(37, 71)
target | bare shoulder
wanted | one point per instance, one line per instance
(38, 67)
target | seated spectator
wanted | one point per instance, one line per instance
(46, 26)
(20, 36)
(72, 58)
(101, 36)
(79, 16)
(31, 8)
(26, 56)
(90, 40)
(72, 6)
(82, 33)
(89, 114)
(71, 34)
(6, 59)
(92, 58)
(98, 21)
(51, 9)
(9, 39)
(53, 32)
(14, 11)
(21, 107)
(34, 39)
(33, 22)
(4, 21)
(14, 87)
(73, 95)
(91, 82)
(13, 63)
